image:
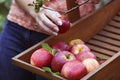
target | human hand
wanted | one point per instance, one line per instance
(48, 21)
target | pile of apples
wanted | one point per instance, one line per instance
(71, 60)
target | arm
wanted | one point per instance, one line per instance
(47, 20)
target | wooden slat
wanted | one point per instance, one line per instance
(110, 35)
(107, 40)
(114, 23)
(117, 18)
(118, 13)
(112, 29)
(104, 45)
(101, 50)
(100, 55)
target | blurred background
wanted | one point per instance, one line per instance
(4, 8)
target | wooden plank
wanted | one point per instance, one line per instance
(101, 50)
(110, 35)
(112, 29)
(36, 70)
(104, 45)
(100, 55)
(118, 13)
(107, 40)
(116, 18)
(114, 23)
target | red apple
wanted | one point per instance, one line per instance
(90, 64)
(61, 46)
(84, 55)
(60, 59)
(77, 49)
(41, 58)
(65, 26)
(75, 42)
(73, 70)
(60, 5)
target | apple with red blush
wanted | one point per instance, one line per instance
(84, 55)
(60, 46)
(73, 70)
(41, 58)
(60, 58)
(79, 48)
(65, 26)
(75, 42)
(90, 64)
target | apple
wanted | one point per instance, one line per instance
(84, 55)
(61, 46)
(75, 42)
(77, 49)
(60, 58)
(41, 58)
(73, 70)
(90, 64)
(65, 26)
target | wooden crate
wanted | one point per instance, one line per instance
(101, 32)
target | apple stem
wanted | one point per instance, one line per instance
(68, 56)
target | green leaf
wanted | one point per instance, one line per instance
(57, 73)
(47, 47)
(47, 69)
(36, 10)
(37, 4)
(41, 2)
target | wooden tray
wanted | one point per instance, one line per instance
(101, 32)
